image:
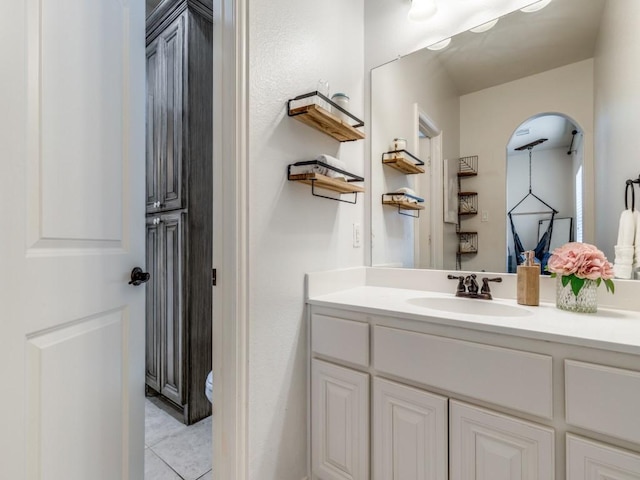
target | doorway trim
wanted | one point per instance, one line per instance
(230, 246)
(430, 129)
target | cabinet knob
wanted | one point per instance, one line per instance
(138, 277)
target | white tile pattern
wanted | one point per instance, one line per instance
(175, 451)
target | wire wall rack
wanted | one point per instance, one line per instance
(468, 166)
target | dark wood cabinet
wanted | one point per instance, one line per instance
(179, 203)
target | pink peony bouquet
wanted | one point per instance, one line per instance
(578, 262)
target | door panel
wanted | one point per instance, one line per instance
(589, 460)
(73, 422)
(172, 227)
(409, 433)
(153, 311)
(339, 423)
(154, 124)
(79, 121)
(486, 445)
(73, 329)
(171, 164)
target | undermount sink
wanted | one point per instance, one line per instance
(469, 306)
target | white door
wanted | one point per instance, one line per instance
(339, 422)
(72, 209)
(409, 433)
(486, 445)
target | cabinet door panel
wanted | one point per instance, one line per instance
(589, 460)
(409, 433)
(172, 335)
(486, 445)
(153, 318)
(340, 422)
(153, 124)
(171, 174)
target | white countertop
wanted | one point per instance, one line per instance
(616, 330)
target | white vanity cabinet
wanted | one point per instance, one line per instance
(408, 438)
(395, 398)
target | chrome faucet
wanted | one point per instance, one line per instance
(468, 286)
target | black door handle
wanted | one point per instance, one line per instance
(138, 277)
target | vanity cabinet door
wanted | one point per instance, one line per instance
(409, 433)
(589, 460)
(339, 422)
(486, 445)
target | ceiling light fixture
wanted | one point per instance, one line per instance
(422, 10)
(534, 7)
(440, 45)
(485, 26)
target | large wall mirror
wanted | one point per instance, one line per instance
(490, 95)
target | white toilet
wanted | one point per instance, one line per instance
(208, 387)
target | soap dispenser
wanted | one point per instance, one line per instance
(528, 279)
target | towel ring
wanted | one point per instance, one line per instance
(633, 196)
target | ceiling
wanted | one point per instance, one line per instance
(522, 44)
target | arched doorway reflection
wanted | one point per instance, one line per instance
(544, 186)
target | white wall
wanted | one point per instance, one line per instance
(292, 45)
(487, 122)
(617, 103)
(398, 86)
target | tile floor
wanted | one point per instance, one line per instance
(174, 451)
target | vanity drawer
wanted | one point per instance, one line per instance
(511, 378)
(341, 339)
(603, 399)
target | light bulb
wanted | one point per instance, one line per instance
(440, 45)
(534, 7)
(485, 26)
(422, 10)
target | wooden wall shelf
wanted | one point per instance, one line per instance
(403, 161)
(328, 183)
(404, 204)
(319, 118)
(318, 180)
